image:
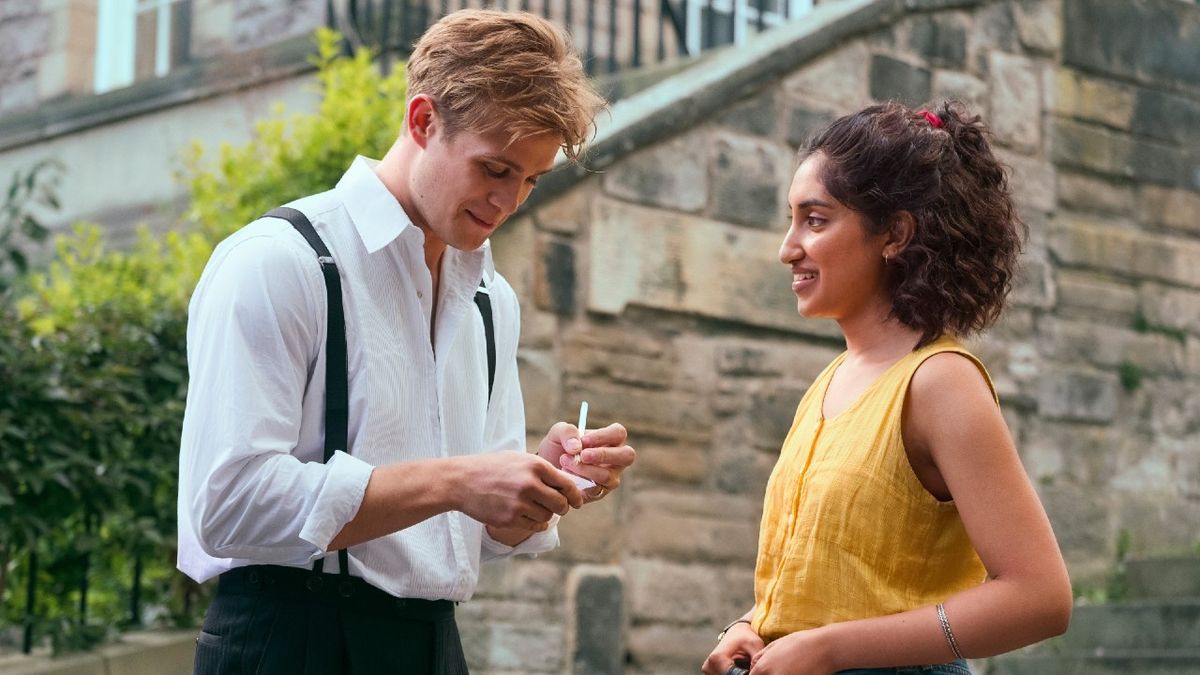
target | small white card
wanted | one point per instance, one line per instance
(579, 481)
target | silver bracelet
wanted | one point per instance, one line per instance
(941, 612)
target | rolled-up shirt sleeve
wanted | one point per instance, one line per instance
(255, 325)
(504, 429)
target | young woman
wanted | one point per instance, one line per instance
(899, 527)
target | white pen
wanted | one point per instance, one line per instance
(582, 426)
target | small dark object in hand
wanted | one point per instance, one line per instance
(737, 670)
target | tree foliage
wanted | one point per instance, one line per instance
(93, 360)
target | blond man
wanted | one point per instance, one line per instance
(346, 520)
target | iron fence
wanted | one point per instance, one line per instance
(611, 35)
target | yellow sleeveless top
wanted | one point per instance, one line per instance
(848, 531)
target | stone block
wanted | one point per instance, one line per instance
(541, 386)
(529, 580)
(262, 22)
(1089, 147)
(771, 414)
(739, 470)
(568, 213)
(1103, 151)
(1159, 523)
(755, 117)
(895, 79)
(672, 592)
(1016, 104)
(1174, 410)
(1164, 164)
(1039, 25)
(554, 280)
(694, 527)
(1077, 395)
(672, 174)
(1166, 207)
(595, 533)
(1034, 284)
(1083, 97)
(1120, 248)
(991, 27)
(952, 85)
(514, 250)
(750, 180)
(670, 414)
(13, 9)
(940, 39)
(836, 79)
(668, 648)
(1080, 515)
(1110, 347)
(1170, 307)
(1095, 297)
(1168, 117)
(1087, 193)
(20, 93)
(25, 38)
(1057, 451)
(626, 356)
(803, 123)
(797, 362)
(597, 598)
(664, 464)
(212, 26)
(1097, 37)
(527, 647)
(1166, 578)
(1031, 180)
(691, 265)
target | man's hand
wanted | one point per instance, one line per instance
(600, 455)
(514, 491)
(739, 646)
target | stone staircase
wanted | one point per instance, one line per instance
(1155, 632)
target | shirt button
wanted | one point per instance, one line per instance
(420, 294)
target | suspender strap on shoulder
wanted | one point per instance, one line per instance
(337, 405)
(484, 300)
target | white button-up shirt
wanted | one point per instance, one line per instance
(252, 486)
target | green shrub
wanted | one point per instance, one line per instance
(93, 361)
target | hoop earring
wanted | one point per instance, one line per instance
(885, 259)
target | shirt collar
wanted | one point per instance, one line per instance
(374, 210)
(380, 219)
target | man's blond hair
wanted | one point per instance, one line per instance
(488, 70)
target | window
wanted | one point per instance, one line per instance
(137, 40)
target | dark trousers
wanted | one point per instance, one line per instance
(272, 620)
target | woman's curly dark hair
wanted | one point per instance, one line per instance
(957, 270)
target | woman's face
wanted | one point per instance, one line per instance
(838, 270)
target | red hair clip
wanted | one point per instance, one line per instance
(934, 120)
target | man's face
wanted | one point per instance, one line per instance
(465, 187)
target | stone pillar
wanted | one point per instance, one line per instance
(595, 601)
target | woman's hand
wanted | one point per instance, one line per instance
(738, 647)
(801, 653)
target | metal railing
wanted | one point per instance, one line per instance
(611, 35)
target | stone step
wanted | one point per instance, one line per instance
(1177, 577)
(1111, 662)
(1139, 624)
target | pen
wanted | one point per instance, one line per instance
(583, 409)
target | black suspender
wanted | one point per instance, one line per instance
(483, 300)
(337, 388)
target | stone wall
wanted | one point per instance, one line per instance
(652, 290)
